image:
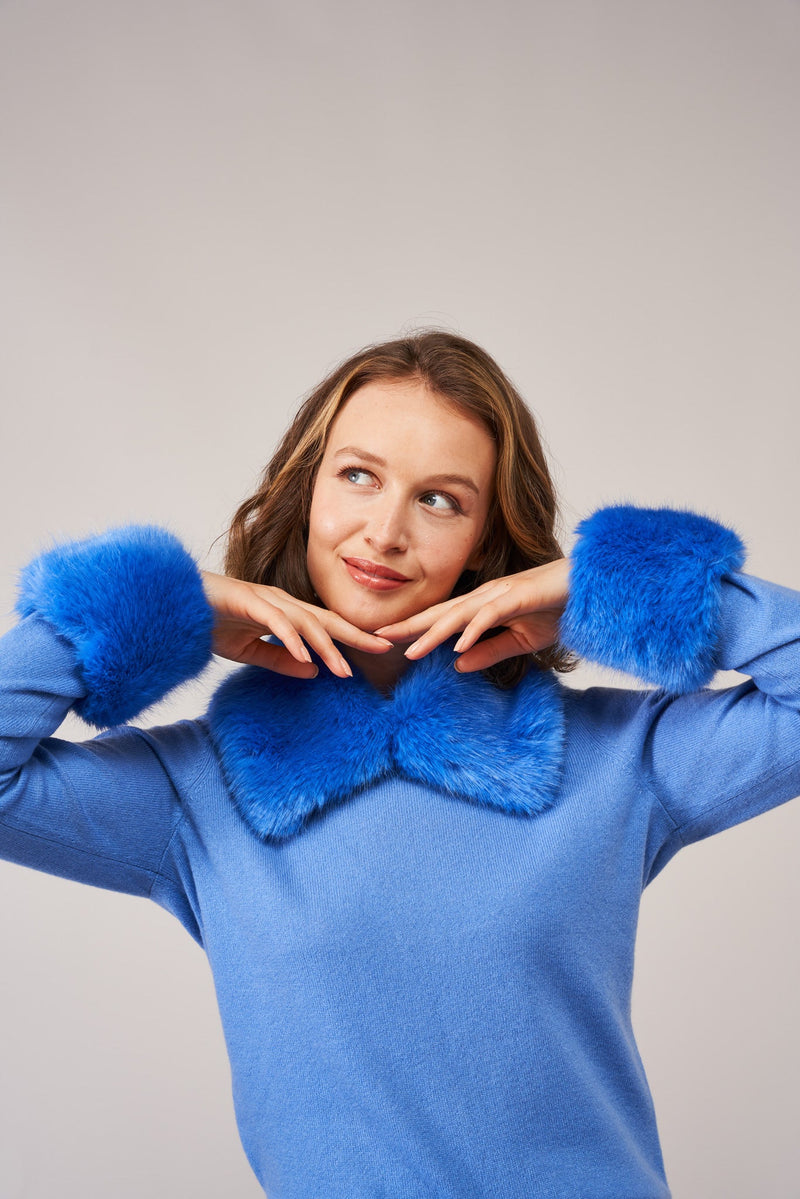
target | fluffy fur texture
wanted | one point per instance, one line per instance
(131, 602)
(289, 747)
(645, 593)
(644, 598)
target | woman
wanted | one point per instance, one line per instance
(413, 857)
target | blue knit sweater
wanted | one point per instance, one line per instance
(420, 911)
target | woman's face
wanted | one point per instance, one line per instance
(399, 504)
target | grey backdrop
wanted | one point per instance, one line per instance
(205, 205)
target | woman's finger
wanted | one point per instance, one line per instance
(269, 610)
(336, 626)
(320, 640)
(488, 653)
(452, 622)
(269, 618)
(420, 622)
(495, 601)
(278, 659)
(494, 612)
(319, 627)
(295, 626)
(349, 634)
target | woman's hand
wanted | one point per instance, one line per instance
(246, 612)
(529, 604)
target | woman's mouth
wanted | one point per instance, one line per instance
(373, 575)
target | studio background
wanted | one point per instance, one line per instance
(204, 207)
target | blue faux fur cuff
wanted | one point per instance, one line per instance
(132, 604)
(645, 592)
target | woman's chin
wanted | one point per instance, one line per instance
(372, 615)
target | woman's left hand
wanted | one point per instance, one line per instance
(529, 604)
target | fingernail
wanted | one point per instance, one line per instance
(346, 667)
(316, 672)
(457, 667)
(458, 644)
(305, 653)
(409, 653)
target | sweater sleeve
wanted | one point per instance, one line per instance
(660, 595)
(108, 626)
(717, 757)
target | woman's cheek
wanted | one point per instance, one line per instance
(326, 529)
(451, 555)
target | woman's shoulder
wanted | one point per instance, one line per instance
(614, 716)
(183, 748)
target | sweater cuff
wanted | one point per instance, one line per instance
(131, 603)
(645, 593)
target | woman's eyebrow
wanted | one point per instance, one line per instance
(353, 451)
(454, 479)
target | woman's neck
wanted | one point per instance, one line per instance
(380, 670)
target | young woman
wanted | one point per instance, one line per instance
(413, 857)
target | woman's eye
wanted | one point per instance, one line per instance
(439, 501)
(354, 474)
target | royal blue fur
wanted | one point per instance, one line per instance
(289, 747)
(645, 593)
(131, 602)
(644, 597)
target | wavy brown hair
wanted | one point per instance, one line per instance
(266, 542)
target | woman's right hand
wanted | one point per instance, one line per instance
(246, 612)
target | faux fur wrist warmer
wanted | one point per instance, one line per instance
(131, 602)
(645, 593)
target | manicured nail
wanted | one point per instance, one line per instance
(316, 672)
(459, 643)
(457, 667)
(305, 653)
(346, 667)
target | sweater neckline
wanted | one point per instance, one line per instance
(292, 748)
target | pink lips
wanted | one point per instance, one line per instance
(373, 575)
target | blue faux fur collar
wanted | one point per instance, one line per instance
(290, 748)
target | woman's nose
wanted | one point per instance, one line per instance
(386, 529)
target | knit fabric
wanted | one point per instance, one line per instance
(425, 990)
